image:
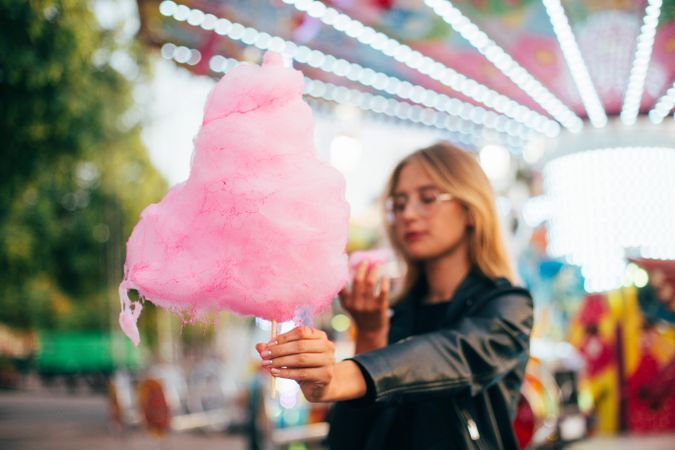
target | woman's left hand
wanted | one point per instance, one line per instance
(303, 354)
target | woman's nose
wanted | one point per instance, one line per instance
(410, 210)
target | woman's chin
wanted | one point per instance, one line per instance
(416, 252)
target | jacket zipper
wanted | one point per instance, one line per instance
(471, 426)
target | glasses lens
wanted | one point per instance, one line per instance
(424, 204)
(389, 210)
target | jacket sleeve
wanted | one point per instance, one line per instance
(477, 351)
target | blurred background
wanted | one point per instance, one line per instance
(568, 105)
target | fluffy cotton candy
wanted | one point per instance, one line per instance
(377, 256)
(260, 226)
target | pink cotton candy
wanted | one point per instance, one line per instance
(129, 315)
(376, 256)
(260, 226)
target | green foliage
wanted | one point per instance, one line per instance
(48, 88)
(75, 174)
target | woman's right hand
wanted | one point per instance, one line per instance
(308, 357)
(368, 308)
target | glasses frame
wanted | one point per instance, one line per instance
(419, 207)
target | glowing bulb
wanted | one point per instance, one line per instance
(345, 153)
(496, 161)
(340, 323)
(641, 278)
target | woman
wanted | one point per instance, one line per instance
(444, 370)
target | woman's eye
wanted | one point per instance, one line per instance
(428, 199)
(399, 206)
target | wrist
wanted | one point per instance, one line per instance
(367, 340)
(347, 383)
(372, 332)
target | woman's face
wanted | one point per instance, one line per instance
(428, 223)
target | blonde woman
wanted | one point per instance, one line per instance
(442, 367)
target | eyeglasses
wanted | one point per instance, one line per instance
(424, 203)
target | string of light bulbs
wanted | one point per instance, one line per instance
(638, 71)
(425, 65)
(575, 62)
(357, 73)
(365, 101)
(506, 64)
(663, 106)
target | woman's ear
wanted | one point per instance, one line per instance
(470, 220)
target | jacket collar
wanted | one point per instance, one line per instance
(471, 286)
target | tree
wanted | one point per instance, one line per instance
(75, 174)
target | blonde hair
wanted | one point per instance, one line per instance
(458, 173)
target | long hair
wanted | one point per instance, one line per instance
(458, 173)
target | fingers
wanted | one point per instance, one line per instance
(303, 360)
(299, 333)
(368, 289)
(300, 348)
(371, 279)
(315, 375)
(364, 292)
(383, 297)
(358, 284)
(297, 347)
(343, 294)
(300, 340)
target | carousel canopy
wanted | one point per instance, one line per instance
(485, 71)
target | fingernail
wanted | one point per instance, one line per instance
(266, 353)
(272, 343)
(266, 362)
(274, 371)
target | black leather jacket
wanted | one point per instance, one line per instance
(453, 388)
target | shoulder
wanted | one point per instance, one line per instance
(500, 295)
(502, 287)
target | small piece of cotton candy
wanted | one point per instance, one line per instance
(260, 226)
(382, 257)
(375, 256)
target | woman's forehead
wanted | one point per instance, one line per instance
(413, 177)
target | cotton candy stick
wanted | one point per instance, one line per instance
(273, 387)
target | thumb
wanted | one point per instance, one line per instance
(383, 297)
(343, 294)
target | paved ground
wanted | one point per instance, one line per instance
(59, 421)
(662, 442)
(48, 421)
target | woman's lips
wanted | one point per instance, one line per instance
(412, 236)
